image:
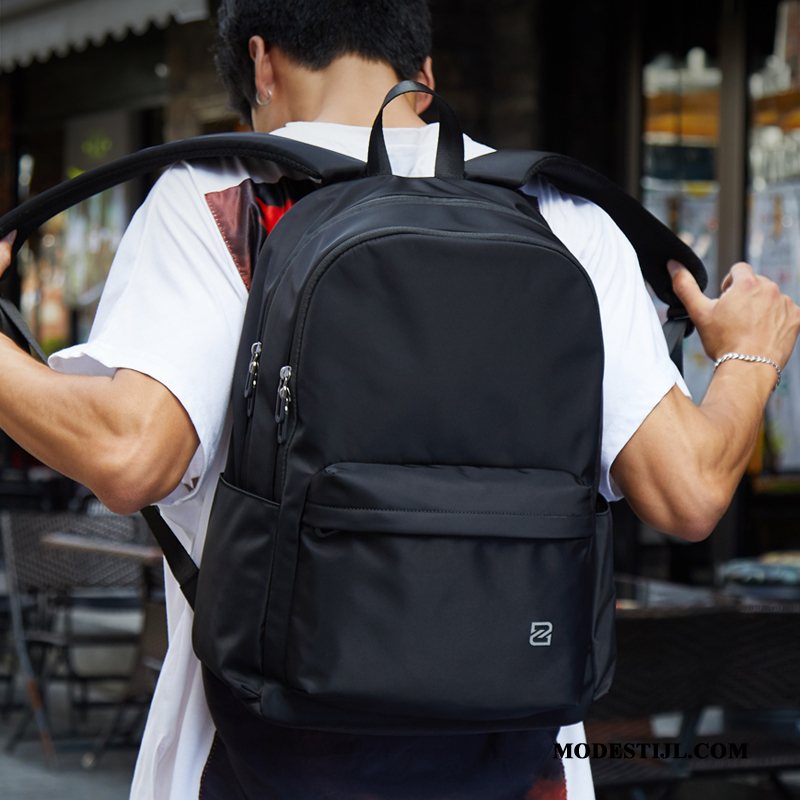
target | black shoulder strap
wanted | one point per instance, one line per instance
(655, 244)
(12, 324)
(297, 159)
(179, 561)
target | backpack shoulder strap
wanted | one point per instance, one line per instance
(13, 324)
(297, 159)
(655, 244)
(180, 563)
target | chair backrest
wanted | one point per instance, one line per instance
(35, 567)
(745, 657)
(761, 670)
(667, 661)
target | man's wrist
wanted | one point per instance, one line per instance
(751, 358)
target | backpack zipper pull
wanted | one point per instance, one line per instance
(252, 377)
(283, 402)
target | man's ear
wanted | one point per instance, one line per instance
(424, 76)
(263, 74)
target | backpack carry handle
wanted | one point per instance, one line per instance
(450, 151)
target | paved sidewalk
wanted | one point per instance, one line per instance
(25, 774)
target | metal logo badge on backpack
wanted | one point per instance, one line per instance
(541, 634)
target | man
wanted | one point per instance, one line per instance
(140, 413)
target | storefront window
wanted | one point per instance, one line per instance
(42, 275)
(774, 213)
(64, 266)
(679, 176)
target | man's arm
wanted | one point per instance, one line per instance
(680, 469)
(127, 438)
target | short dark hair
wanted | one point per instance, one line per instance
(315, 32)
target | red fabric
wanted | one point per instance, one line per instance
(245, 215)
(270, 215)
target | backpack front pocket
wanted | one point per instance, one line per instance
(233, 586)
(459, 592)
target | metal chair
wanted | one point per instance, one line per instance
(667, 662)
(737, 657)
(758, 689)
(152, 647)
(7, 662)
(47, 588)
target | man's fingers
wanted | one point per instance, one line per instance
(689, 293)
(739, 272)
(5, 250)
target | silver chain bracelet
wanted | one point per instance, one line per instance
(754, 359)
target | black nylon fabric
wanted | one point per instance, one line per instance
(482, 501)
(428, 501)
(654, 243)
(13, 325)
(219, 780)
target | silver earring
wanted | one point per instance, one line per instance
(263, 103)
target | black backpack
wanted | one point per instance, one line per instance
(408, 535)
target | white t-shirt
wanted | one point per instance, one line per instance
(173, 307)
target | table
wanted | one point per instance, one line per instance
(148, 555)
(153, 637)
(686, 649)
(639, 596)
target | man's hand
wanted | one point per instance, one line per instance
(680, 469)
(751, 316)
(6, 243)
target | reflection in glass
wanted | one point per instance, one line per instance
(774, 218)
(679, 180)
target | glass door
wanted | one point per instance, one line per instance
(680, 157)
(773, 230)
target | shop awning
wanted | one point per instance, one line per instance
(37, 29)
